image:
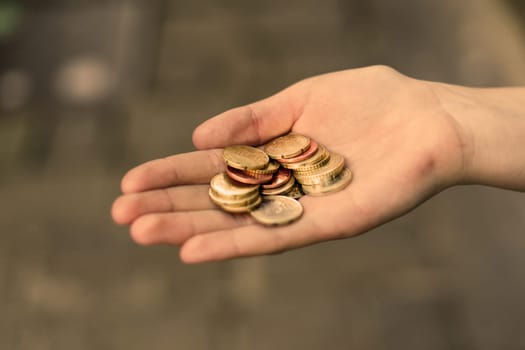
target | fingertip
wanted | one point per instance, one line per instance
(137, 179)
(187, 259)
(142, 228)
(252, 124)
(120, 211)
(193, 251)
(128, 184)
(200, 137)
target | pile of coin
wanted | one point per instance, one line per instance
(317, 170)
(266, 182)
(232, 196)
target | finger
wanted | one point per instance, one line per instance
(129, 207)
(176, 228)
(321, 221)
(181, 169)
(255, 123)
(248, 240)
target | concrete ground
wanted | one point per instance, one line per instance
(449, 275)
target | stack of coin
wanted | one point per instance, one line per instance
(265, 183)
(317, 170)
(282, 183)
(237, 189)
(232, 196)
(251, 166)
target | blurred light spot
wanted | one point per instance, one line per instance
(15, 89)
(84, 80)
(9, 18)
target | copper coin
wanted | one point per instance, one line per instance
(242, 177)
(318, 159)
(280, 178)
(279, 190)
(303, 156)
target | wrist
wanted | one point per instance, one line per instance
(491, 126)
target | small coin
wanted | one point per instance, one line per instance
(295, 192)
(279, 190)
(245, 157)
(243, 177)
(303, 156)
(317, 160)
(271, 168)
(233, 202)
(226, 187)
(280, 178)
(324, 174)
(287, 146)
(277, 210)
(241, 209)
(338, 184)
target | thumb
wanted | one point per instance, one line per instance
(252, 124)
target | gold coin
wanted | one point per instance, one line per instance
(242, 209)
(225, 187)
(271, 168)
(295, 192)
(277, 210)
(339, 183)
(324, 174)
(245, 157)
(279, 190)
(318, 159)
(287, 146)
(234, 202)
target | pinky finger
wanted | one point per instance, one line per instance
(247, 240)
(175, 228)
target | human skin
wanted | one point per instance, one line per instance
(404, 139)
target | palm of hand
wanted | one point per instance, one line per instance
(395, 138)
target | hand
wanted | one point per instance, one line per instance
(397, 139)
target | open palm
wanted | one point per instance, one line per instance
(398, 141)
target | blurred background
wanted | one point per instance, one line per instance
(89, 89)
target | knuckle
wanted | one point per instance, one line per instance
(256, 122)
(215, 159)
(384, 69)
(242, 220)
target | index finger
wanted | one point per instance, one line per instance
(181, 169)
